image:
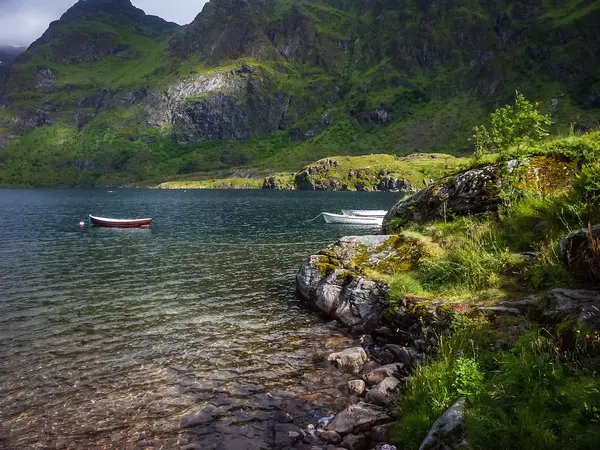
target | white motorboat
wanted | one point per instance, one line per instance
(364, 212)
(352, 220)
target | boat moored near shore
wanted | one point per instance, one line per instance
(120, 223)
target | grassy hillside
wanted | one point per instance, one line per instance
(349, 78)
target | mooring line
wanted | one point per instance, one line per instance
(282, 244)
(312, 220)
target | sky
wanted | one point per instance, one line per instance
(23, 21)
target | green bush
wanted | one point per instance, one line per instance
(517, 125)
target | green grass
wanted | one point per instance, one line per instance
(532, 395)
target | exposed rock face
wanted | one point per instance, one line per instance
(448, 431)
(579, 306)
(472, 192)
(391, 184)
(323, 176)
(226, 105)
(45, 78)
(381, 394)
(581, 252)
(350, 360)
(272, 183)
(328, 283)
(359, 417)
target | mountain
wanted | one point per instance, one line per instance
(110, 95)
(8, 53)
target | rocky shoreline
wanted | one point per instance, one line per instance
(344, 283)
(379, 367)
(392, 345)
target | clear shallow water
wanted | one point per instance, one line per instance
(157, 338)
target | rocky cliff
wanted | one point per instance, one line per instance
(114, 94)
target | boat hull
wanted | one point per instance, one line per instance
(364, 212)
(352, 220)
(120, 223)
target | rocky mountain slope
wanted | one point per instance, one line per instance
(109, 95)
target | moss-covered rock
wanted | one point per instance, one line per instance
(338, 280)
(480, 190)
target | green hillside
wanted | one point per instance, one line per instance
(109, 95)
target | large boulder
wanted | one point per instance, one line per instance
(581, 252)
(472, 192)
(330, 283)
(334, 282)
(447, 432)
(579, 307)
(478, 190)
(357, 418)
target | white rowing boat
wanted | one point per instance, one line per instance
(364, 212)
(352, 220)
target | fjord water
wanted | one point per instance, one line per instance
(161, 337)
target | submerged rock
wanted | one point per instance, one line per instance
(350, 360)
(357, 418)
(448, 431)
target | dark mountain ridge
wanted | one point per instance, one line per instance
(276, 83)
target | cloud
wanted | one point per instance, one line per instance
(178, 11)
(23, 21)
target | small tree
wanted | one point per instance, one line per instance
(515, 125)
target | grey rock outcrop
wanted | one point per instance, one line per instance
(447, 432)
(349, 360)
(225, 105)
(580, 306)
(382, 393)
(472, 192)
(581, 252)
(330, 283)
(357, 418)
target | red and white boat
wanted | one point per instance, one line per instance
(120, 223)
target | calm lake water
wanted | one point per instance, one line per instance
(161, 338)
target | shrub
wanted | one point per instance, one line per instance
(515, 125)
